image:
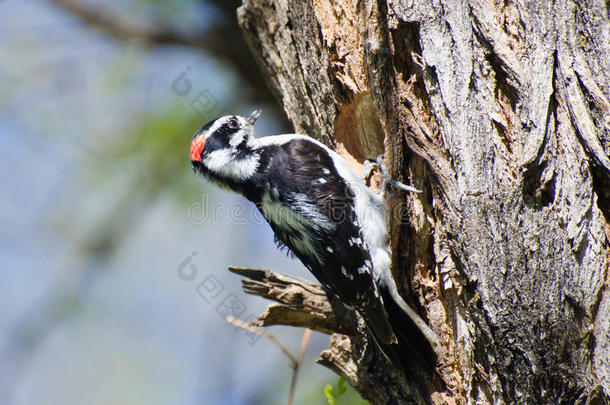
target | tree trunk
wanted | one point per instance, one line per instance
(499, 111)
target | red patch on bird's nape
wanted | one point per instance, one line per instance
(197, 147)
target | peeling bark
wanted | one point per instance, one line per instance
(500, 112)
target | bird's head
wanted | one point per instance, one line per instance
(225, 147)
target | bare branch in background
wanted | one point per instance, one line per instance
(224, 40)
(295, 362)
(259, 331)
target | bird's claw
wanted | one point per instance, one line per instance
(367, 169)
(387, 182)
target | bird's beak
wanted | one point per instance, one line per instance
(254, 116)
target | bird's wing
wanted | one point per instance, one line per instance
(311, 210)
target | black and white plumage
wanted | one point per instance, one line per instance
(317, 207)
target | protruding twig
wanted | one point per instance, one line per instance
(259, 331)
(301, 303)
(297, 364)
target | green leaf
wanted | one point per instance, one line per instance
(328, 390)
(341, 387)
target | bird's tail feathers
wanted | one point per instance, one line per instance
(417, 345)
(377, 322)
(428, 334)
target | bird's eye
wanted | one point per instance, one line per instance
(233, 123)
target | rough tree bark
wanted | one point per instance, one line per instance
(499, 111)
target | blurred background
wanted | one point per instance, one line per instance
(113, 255)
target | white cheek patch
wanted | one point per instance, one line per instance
(223, 163)
(237, 138)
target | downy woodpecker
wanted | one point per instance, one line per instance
(321, 211)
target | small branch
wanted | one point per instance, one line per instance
(297, 364)
(224, 41)
(301, 303)
(119, 28)
(241, 324)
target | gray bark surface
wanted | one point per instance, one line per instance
(500, 112)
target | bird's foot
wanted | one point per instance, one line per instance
(387, 182)
(367, 169)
